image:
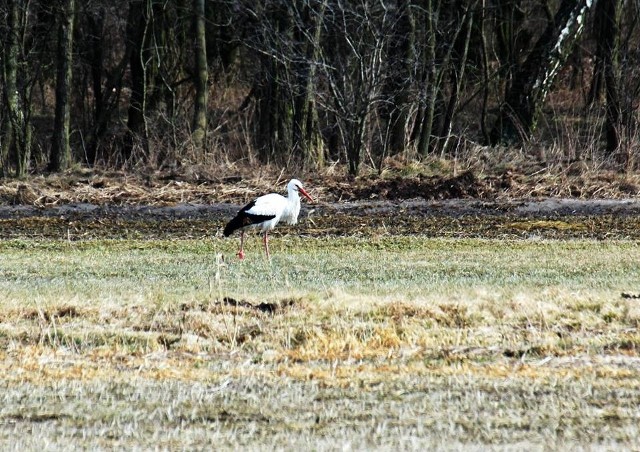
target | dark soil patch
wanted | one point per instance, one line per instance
(93, 206)
(547, 218)
(266, 307)
(48, 315)
(465, 185)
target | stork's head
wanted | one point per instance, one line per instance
(296, 186)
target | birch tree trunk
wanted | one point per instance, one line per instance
(534, 77)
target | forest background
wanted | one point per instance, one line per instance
(316, 83)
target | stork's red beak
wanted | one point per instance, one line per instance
(305, 194)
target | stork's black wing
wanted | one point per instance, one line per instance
(244, 219)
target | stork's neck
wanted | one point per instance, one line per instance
(293, 196)
(292, 208)
(293, 201)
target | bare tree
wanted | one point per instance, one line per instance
(611, 18)
(307, 35)
(399, 80)
(269, 39)
(352, 82)
(534, 77)
(199, 132)
(138, 52)
(353, 63)
(285, 39)
(606, 71)
(102, 64)
(464, 14)
(441, 61)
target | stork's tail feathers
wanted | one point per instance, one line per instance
(233, 225)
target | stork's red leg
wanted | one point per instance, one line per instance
(240, 253)
(266, 245)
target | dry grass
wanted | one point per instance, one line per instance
(404, 342)
(477, 172)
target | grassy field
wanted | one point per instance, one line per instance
(344, 343)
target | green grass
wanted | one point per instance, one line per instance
(386, 342)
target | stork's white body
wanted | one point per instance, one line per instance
(283, 209)
(265, 212)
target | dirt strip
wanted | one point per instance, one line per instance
(543, 218)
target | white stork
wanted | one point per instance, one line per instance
(266, 212)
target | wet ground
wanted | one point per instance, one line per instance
(533, 218)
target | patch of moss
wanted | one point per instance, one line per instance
(559, 225)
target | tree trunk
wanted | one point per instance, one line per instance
(601, 35)
(96, 63)
(272, 89)
(609, 39)
(428, 82)
(395, 111)
(457, 72)
(306, 139)
(20, 128)
(534, 77)
(485, 72)
(199, 132)
(137, 26)
(443, 20)
(60, 158)
(6, 143)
